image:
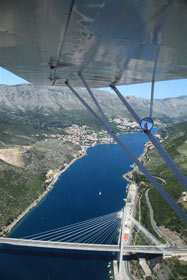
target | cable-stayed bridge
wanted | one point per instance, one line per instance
(95, 247)
(104, 234)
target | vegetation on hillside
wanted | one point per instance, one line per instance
(176, 146)
(175, 142)
(20, 186)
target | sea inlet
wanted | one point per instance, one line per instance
(90, 187)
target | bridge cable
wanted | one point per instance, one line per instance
(93, 229)
(92, 235)
(84, 230)
(72, 226)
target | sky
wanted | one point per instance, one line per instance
(9, 78)
(162, 89)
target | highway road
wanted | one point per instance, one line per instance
(155, 227)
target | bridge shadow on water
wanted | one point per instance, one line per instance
(71, 254)
(142, 256)
(56, 253)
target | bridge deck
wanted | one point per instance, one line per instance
(60, 245)
(94, 247)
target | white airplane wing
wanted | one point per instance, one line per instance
(110, 41)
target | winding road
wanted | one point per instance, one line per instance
(154, 225)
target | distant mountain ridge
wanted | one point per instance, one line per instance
(46, 100)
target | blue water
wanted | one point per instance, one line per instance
(74, 198)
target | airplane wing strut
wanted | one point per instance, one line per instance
(108, 128)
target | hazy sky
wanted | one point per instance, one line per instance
(162, 89)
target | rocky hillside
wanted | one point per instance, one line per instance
(24, 99)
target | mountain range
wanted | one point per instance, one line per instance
(26, 109)
(23, 98)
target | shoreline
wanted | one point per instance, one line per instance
(7, 230)
(56, 176)
(128, 176)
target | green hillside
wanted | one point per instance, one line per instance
(175, 142)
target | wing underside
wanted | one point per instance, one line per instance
(47, 42)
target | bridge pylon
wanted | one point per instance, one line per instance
(120, 256)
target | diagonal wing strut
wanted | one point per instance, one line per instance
(108, 128)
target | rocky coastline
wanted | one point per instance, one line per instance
(56, 175)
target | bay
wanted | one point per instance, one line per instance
(75, 197)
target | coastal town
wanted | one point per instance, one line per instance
(81, 135)
(86, 137)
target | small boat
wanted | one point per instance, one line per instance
(100, 193)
